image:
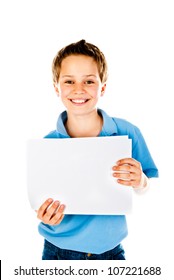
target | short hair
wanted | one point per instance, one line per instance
(80, 48)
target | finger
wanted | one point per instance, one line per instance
(50, 211)
(127, 175)
(124, 167)
(126, 182)
(58, 216)
(56, 221)
(128, 168)
(130, 161)
(133, 183)
(41, 211)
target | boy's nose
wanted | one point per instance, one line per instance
(79, 88)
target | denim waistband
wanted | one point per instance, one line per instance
(115, 253)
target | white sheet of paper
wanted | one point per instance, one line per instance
(78, 172)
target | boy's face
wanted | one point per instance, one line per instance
(79, 85)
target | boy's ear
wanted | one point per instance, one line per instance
(56, 89)
(103, 89)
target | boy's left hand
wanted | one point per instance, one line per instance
(129, 173)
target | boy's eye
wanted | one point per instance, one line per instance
(89, 82)
(69, 82)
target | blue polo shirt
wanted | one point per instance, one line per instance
(98, 233)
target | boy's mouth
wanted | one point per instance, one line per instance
(79, 101)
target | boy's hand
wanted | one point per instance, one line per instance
(129, 173)
(51, 212)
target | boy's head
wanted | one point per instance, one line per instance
(80, 48)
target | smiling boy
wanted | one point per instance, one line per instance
(79, 77)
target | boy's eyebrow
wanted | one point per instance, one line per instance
(90, 75)
(70, 76)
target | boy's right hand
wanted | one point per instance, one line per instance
(51, 212)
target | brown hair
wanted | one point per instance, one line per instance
(80, 48)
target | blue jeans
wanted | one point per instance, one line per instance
(51, 252)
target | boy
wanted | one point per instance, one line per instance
(79, 76)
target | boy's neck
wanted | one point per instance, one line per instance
(89, 125)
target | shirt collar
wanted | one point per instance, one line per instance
(61, 124)
(109, 125)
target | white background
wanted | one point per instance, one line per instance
(137, 40)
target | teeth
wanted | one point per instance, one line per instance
(79, 101)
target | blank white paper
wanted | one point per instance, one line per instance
(78, 173)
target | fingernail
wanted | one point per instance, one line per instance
(56, 202)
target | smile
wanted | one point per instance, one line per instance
(79, 101)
